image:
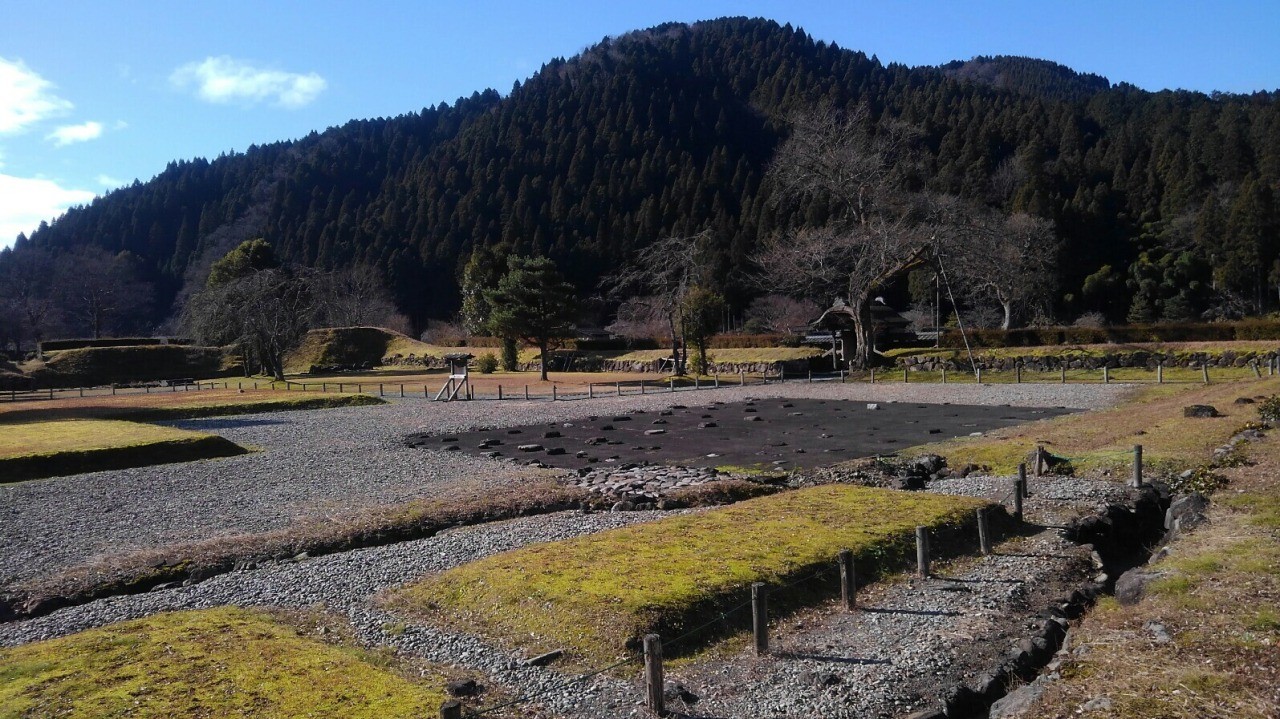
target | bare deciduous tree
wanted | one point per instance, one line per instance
(840, 172)
(1007, 259)
(779, 313)
(659, 279)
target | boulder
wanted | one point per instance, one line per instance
(1200, 410)
(463, 688)
(1132, 585)
(1186, 512)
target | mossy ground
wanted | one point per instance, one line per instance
(223, 662)
(1219, 603)
(595, 594)
(59, 447)
(1104, 440)
(160, 405)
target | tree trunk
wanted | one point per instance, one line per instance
(1007, 306)
(542, 349)
(861, 332)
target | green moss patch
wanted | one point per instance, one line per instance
(61, 447)
(212, 663)
(595, 595)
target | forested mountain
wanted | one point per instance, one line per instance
(1165, 202)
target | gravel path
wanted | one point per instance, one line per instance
(331, 463)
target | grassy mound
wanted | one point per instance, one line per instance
(1104, 439)
(62, 447)
(354, 347)
(179, 405)
(596, 594)
(92, 366)
(211, 663)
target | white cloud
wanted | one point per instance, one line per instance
(225, 79)
(69, 134)
(26, 98)
(25, 201)
(110, 182)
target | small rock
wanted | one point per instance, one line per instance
(1200, 410)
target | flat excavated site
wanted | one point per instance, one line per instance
(756, 434)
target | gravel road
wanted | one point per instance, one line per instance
(332, 463)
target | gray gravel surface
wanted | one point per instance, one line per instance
(332, 463)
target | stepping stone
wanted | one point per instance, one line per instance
(665, 413)
(555, 450)
(448, 439)
(873, 405)
(678, 406)
(597, 440)
(706, 425)
(753, 418)
(452, 448)
(622, 418)
(796, 414)
(607, 428)
(530, 448)
(658, 421)
(749, 410)
(935, 431)
(655, 431)
(553, 434)
(491, 455)
(515, 431)
(581, 454)
(706, 416)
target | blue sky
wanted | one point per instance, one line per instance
(93, 94)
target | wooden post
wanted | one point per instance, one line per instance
(810, 375)
(1106, 374)
(174, 387)
(255, 384)
(671, 384)
(1017, 492)
(906, 378)
(1038, 462)
(379, 389)
(873, 375)
(1159, 373)
(591, 390)
(1257, 371)
(1137, 465)
(1063, 369)
(653, 683)
(697, 384)
(782, 372)
(553, 393)
(922, 551)
(526, 391)
(1204, 369)
(451, 709)
(324, 386)
(979, 375)
(1017, 373)
(848, 581)
(618, 386)
(984, 532)
(359, 388)
(742, 378)
(499, 391)
(841, 375)
(717, 380)
(944, 375)
(641, 386)
(402, 390)
(760, 617)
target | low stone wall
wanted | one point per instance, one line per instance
(1047, 363)
(796, 367)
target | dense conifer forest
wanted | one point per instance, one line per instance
(1164, 202)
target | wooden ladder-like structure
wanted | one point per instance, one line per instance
(458, 385)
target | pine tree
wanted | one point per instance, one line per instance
(532, 302)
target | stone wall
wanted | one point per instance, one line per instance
(1139, 358)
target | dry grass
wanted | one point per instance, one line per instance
(212, 663)
(1103, 440)
(175, 405)
(1220, 601)
(594, 595)
(60, 447)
